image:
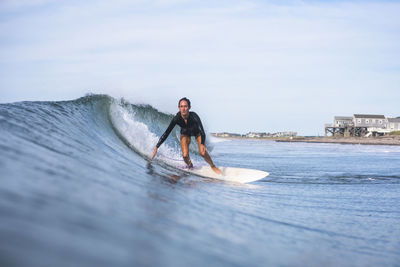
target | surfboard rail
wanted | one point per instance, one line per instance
(231, 174)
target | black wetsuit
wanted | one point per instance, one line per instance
(192, 128)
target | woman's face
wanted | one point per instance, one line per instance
(183, 107)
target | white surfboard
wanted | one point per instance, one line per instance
(239, 175)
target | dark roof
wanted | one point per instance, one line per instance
(369, 116)
(394, 119)
(343, 118)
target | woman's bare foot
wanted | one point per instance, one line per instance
(216, 170)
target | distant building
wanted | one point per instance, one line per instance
(341, 121)
(225, 134)
(362, 125)
(393, 124)
(256, 135)
(367, 120)
(264, 135)
(285, 134)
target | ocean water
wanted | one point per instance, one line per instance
(77, 189)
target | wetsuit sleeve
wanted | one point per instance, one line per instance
(202, 132)
(167, 132)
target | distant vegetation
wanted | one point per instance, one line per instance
(395, 133)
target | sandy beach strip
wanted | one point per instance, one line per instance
(392, 140)
(384, 140)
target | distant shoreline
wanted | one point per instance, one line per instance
(384, 140)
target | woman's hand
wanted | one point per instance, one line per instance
(154, 153)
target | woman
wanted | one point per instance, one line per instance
(190, 124)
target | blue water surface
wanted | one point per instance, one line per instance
(73, 193)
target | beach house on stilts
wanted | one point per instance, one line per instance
(362, 125)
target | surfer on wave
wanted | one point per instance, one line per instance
(190, 124)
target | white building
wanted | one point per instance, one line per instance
(362, 125)
(368, 120)
(255, 135)
(393, 124)
(342, 121)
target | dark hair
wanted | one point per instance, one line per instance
(185, 99)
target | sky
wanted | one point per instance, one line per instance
(261, 66)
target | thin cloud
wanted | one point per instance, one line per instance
(279, 52)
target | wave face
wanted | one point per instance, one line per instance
(89, 129)
(65, 166)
